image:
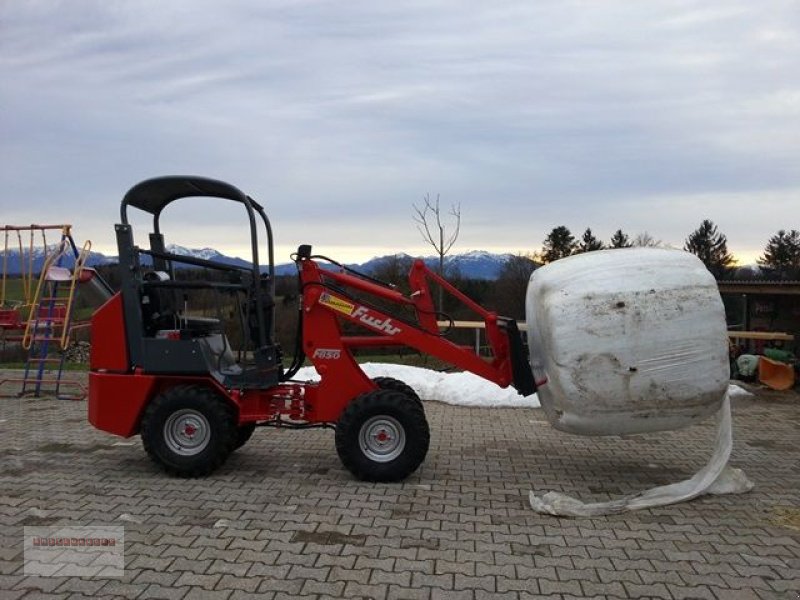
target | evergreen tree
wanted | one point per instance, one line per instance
(711, 247)
(559, 243)
(782, 255)
(619, 240)
(589, 242)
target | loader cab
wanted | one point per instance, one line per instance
(186, 315)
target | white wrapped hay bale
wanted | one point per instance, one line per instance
(632, 341)
(628, 340)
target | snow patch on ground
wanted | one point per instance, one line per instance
(461, 389)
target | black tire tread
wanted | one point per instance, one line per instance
(219, 413)
(390, 383)
(243, 434)
(404, 409)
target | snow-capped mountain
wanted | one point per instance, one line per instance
(476, 264)
(15, 265)
(204, 253)
(207, 254)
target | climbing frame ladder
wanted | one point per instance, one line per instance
(47, 332)
(15, 307)
(48, 320)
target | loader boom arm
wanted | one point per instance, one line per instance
(328, 298)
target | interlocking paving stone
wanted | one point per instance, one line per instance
(168, 593)
(283, 519)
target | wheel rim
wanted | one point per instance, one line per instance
(382, 438)
(187, 432)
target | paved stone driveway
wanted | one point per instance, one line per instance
(282, 519)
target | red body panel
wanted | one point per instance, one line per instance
(116, 401)
(109, 349)
(118, 396)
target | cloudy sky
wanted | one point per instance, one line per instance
(645, 116)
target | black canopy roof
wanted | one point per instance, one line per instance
(152, 195)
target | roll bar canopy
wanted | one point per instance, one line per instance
(152, 195)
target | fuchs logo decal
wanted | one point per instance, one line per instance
(382, 325)
(327, 353)
(337, 304)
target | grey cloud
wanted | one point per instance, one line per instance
(339, 115)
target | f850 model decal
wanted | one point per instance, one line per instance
(327, 353)
(382, 325)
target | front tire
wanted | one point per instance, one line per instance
(390, 383)
(188, 430)
(382, 436)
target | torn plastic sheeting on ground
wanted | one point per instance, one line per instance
(716, 477)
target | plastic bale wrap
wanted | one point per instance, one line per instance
(628, 341)
(632, 341)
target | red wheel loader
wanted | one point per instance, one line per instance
(160, 370)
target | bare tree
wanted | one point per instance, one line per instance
(429, 220)
(645, 240)
(394, 269)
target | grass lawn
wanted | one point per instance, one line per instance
(14, 291)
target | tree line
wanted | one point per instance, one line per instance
(779, 260)
(506, 294)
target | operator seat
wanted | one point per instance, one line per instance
(158, 305)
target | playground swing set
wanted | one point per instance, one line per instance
(37, 314)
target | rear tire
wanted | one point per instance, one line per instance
(188, 430)
(382, 436)
(243, 434)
